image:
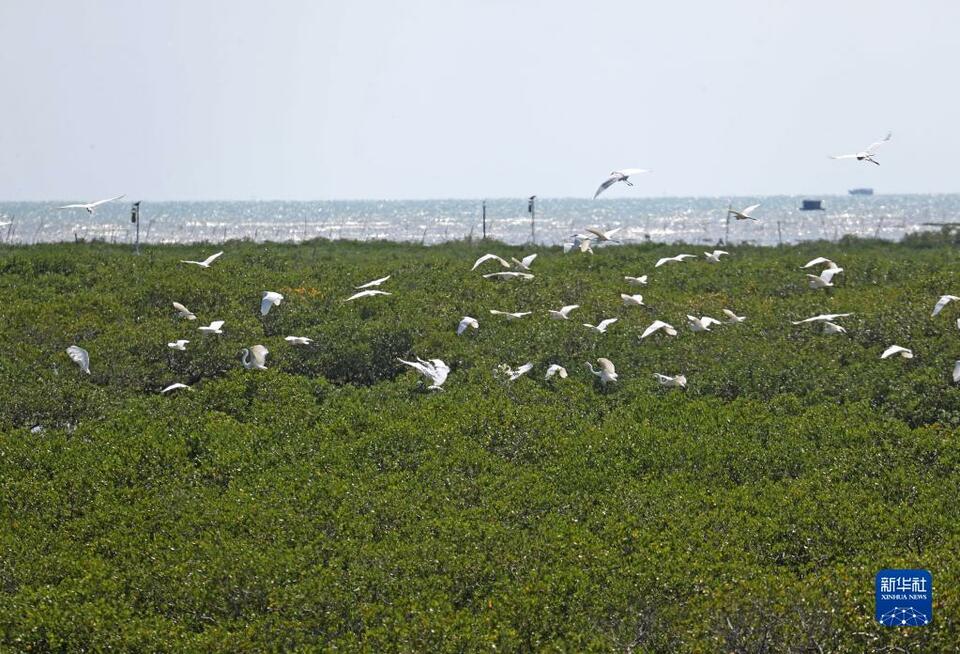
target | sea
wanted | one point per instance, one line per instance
(552, 221)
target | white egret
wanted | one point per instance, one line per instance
(603, 235)
(466, 322)
(375, 282)
(255, 357)
(657, 325)
(206, 262)
(269, 299)
(510, 274)
(369, 293)
(896, 349)
(632, 300)
(868, 154)
(435, 370)
(942, 302)
(956, 372)
(525, 262)
(666, 380)
(714, 257)
(214, 328)
(510, 316)
(80, 357)
(556, 369)
(701, 324)
(607, 373)
(818, 261)
(733, 318)
(488, 257)
(184, 312)
(180, 344)
(833, 328)
(619, 176)
(637, 281)
(173, 387)
(298, 340)
(825, 278)
(823, 317)
(579, 242)
(745, 214)
(678, 258)
(90, 206)
(601, 327)
(513, 375)
(563, 313)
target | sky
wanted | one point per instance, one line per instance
(313, 100)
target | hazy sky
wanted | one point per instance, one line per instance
(240, 99)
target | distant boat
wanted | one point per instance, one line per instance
(811, 205)
(860, 191)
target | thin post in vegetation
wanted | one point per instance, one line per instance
(532, 209)
(779, 234)
(10, 229)
(135, 219)
(483, 213)
(726, 233)
(876, 233)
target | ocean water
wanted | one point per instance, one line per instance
(693, 220)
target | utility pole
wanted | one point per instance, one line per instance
(532, 208)
(726, 236)
(135, 218)
(484, 213)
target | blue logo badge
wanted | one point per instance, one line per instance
(904, 598)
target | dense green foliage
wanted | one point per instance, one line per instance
(332, 502)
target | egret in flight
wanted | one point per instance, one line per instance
(298, 340)
(637, 281)
(525, 262)
(269, 299)
(868, 154)
(90, 206)
(667, 380)
(467, 322)
(896, 349)
(488, 257)
(80, 357)
(510, 316)
(656, 326)
(733, 318)
(213, 328)
(368, 293)
(513, 375)
(435, 370)
(510, 274)
(375, 282)
(823, 317)
(183, 311)
(601, 327)
(942, 302)
(206, 262)
(825, 278)
(255, 357)
(632, 300)
(701, 324)
(833, 328)
(714, 257)
(559, 370)
(818, 261)
(180, 344)
(603, 235)
(744, 214)
(607, 373)
(173, 387)
(678, 259)
(619, 176)
(563, 313)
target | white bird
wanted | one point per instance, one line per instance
(80, 357)
(90, 206)
(298, 340)
(601, 327)
(369, 293)
(510, 316)
(632, 300)
(556, 369)
(607, 373)
(579, 242)
(183, 311)
(818, 261)
(435, 370)
(667, 380)
(637, 281)
(956, 372)
(619, 176)
(942, 302)
(733, 318)
(375, 282)
(206, 262)
(508, 275)
(833, 328)
(466, 322)
(269, 299)
(868, 154)
(513, 375)
(563, 313)
(678, 258)
(825, 278)
(525, 262)
(255, 357)
(714, 257)
(657, 325)
(214, 328)
(701, 324)
(180, 344)
(603, 235)
(488, 257)
(173, 387)
(745, 214)
(823, 317)
(896, 349)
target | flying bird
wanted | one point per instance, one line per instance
(80, 357)
(466, 322)
(89, 207)
(524, 262)
(714, 257)
(619, 176)
(607, 373)
(667, 380)
(868, 154)
(513, 375)
(183, 311)
(173, 387)
(206, 262)
(369, 293)
(180, 344)
(701, 324)
(601, 327)
(657, 325)
(255, 357)
(556, 369)
(580, 242)
(603, 235)
(637, 281)
(744, 214)
(510, 316)
(818, 261)
(833, 328)
(269, 299)
(678, 258)
(375, 282)
(510, 274)
(896, 349)
(825, 278)
(298, 340)
(823, 317)
(435, 370)
(942, 302)
(956, 372)
(488, 257)
(733, 318)
(563, 313)
(214, 328)
(632, 300)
